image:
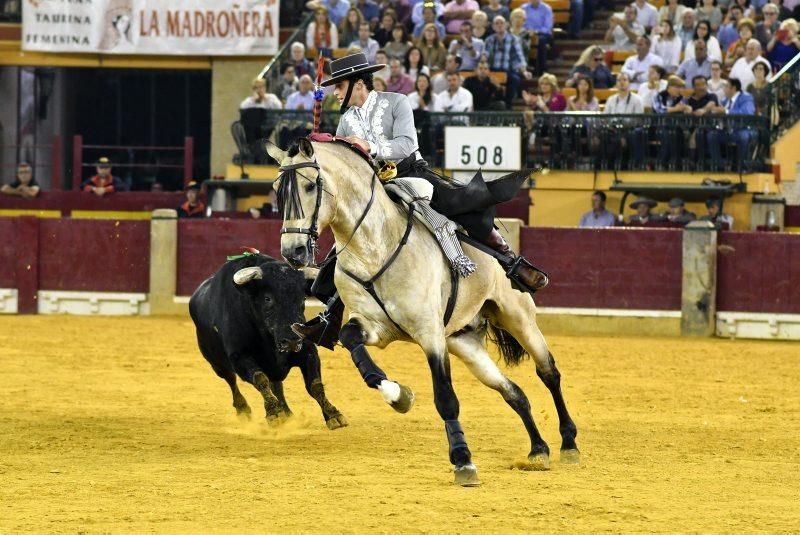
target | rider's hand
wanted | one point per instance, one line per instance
(363, 143)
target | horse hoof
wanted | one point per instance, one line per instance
(337, 421)
(244, 415)
(466, 476)
(570, 457)
(405, 401)
(539, 462)
(275, 420)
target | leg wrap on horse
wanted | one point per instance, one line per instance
(369, 371)
(455, 437)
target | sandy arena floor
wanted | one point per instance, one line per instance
(120, 425)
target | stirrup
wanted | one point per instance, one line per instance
(520, 263)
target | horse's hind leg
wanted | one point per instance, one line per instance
(516, 313)
(471, 349)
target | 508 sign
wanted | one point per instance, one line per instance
(481, 155)
(491, 148)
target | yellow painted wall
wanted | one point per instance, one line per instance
(50, 214)
(109, 214)
(786, 151)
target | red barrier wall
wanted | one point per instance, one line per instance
(8, 252)
(607, 268)
(66, 201)
(94, 255)
(760, 274)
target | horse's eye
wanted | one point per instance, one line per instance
(310, 187)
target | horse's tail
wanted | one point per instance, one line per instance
(511, 350)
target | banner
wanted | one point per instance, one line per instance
(174, 27)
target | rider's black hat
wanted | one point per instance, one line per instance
(349, 66)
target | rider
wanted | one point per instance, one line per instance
(382, 124)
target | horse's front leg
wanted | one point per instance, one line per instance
(466, 474)
(353, 337)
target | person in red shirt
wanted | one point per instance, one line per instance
(103, 182)
(193, 207)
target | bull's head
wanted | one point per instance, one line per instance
(276, 293)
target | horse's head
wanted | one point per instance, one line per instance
(304, 208)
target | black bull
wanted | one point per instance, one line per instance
(243, 315)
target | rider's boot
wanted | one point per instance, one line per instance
(517, 267)
(323, 330)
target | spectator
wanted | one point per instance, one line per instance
(322, 34)
(516, 27)
(303, 98)
(644, 215)
(382, 59)
(636, 66)
(550, 100)
(401, 10)
(466, 47)
(539, 20)
(419, 8)
(366, 44)
(423, 98)
(670, 101)
(668, 46)
(496, 9)
(701, 101)
(784, 45)
(624, 103)
(486, 93)
(715, 215)
(504, 54)
(399, 82)
(428, 17)
(766, 29)
(297, 59)
(451, 65)
(598, 216)
(746, 29)
(672, 12)
(700, 65)
(591, 64)
(384, 32)
(727, 33)
(379, 84)
(24, 185)
(433, 51)
(703, 31)
(576, 18)
(103, 182)
(655, 85)
(747, 9)
(623, 31)
(678, 213)
(370, 10)
(348, 28)
(288, 82)
(337, 9)
(709, 12)
(583, 99)
(455, 99)
(193, 208)
(399, 45)
(457, 11)
(759, 88)
(646, 14)
(716, 84)
(736, 103)
(743, 68)
(686, 29)
(260, 98)
(480, 26)
(415, 64)
(783, 11)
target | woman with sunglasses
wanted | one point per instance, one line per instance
(591, 65)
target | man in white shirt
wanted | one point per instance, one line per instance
(624, 103)
(743, 68)
(365, 43)
(636, 66)
(623, 30)
(646, 14)
(260, 98)
(455, 99)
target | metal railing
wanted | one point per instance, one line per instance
(785, 97)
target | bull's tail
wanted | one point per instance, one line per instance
(510, 349)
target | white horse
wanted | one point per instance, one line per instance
(330, 185)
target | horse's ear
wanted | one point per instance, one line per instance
(305, 147)
(275, 151)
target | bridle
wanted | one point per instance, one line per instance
(313, 231)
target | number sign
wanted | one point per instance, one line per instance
(491, 148)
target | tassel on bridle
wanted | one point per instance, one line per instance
(288, 195)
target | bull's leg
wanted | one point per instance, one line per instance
(239, 403)
(466, 474)
(471, 349)
(222, 367)
(312, 377)
(249, 371)
(400, 397)
(277, 389)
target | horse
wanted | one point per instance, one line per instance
(393, 277)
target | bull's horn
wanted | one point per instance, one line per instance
(245, 275)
